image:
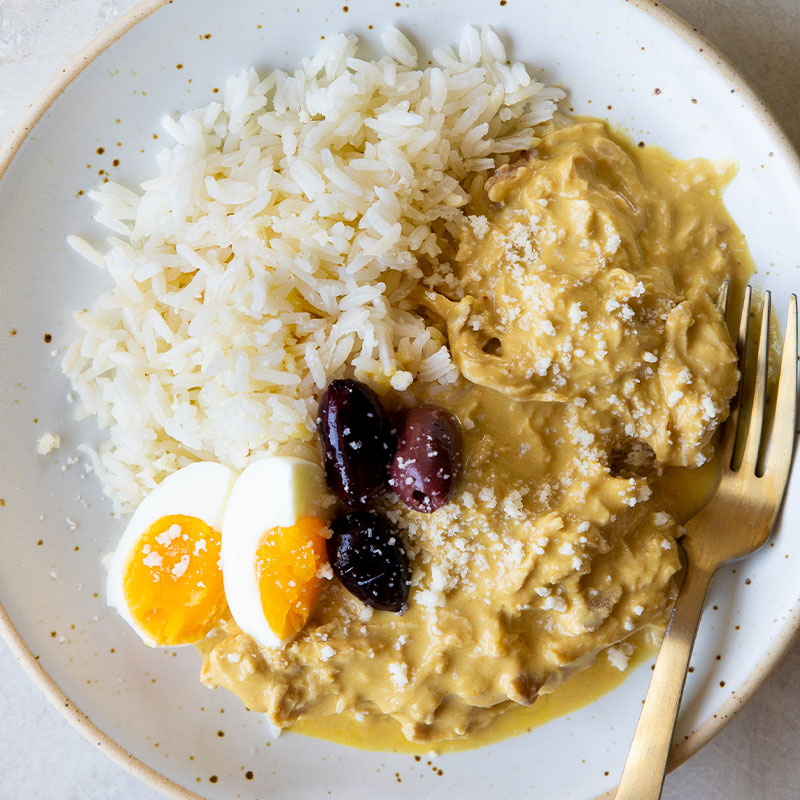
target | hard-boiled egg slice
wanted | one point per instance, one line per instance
(273, 546)
(164, 577)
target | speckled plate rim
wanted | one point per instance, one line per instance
(682, 751)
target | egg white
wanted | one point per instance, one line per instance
(199, 490)
(273, 492)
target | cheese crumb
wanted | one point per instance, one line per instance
(180, 568)
(429, 599)
(325, 572)
(153, 560)
(486, 495)
(674, 398)
(399, 672)
(619, 655)
(326, 652)
(48, 443)
(554, 603)
(576, 313)
(612, 243)
(401, 380)
(171, 533)
(479, 224)
(542, 365)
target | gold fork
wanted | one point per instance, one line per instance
(737, 521)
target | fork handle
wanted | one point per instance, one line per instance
(643, 776)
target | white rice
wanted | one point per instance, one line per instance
(276, 248)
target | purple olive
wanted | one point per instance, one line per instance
(356, 439)
(427, 462)
(367, 555)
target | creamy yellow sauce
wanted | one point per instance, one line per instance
(581, 310)
(685, 492)
(385, 734)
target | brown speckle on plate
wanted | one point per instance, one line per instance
(179, 66)
(48, 338)
(657, 91)
(100, 150)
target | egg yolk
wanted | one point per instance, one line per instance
(287, 563)
(172, 580)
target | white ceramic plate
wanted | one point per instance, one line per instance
(631, 62)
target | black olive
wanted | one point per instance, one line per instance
(367, 555)
(427, 463)
(356, 439)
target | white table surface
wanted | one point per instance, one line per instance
(756, 756)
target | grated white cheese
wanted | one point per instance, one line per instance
(47, 443)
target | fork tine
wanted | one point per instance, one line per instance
(728, 440)
(779, 458)
(752, 442)
(722, 298)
